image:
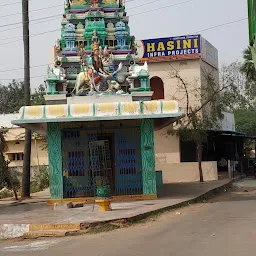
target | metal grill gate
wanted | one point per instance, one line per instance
(128, 171)
(76, 178)
(81, 167)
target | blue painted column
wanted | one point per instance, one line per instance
(148, 157)
(55, 160)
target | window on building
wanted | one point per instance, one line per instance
(17, 157)
(157, 86)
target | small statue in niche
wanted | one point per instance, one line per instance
(94, 3)
(68, 3)
(82, 55)
(97, 62)
(58, 47)
(106, 58)
(95, 38)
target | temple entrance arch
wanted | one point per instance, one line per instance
(157, 86)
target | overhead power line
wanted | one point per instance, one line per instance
(36, 10)
(16, 69)
(163, 7)
(34, 23)
(213, 27)
(42, 18)
(5, 79)
(33, 35)
(57, 16)
(3, 5)
(221, 25)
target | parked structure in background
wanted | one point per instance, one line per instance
(252, 27)
(192, 58)
(15, 139)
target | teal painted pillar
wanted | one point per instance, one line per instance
(148, 157)
(55, 160)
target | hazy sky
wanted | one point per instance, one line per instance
(187, 17)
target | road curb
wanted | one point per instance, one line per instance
(18, 230)
(205, 196)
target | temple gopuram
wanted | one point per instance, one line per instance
(99, 118)
(96, 53)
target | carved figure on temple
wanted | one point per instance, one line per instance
(68, 3)
(58, 47)
(83, 85)
(94, 3)
(96, 76)
(134, 46)
(90, 80)
(96, 58)
(106, 58)
(95, 38)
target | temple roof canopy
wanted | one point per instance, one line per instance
(38, 116)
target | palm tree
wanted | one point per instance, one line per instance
(248, 67)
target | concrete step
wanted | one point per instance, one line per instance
(57, 227)
(48, 233)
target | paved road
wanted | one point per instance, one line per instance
(225, 226)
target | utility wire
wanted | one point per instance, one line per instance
(36, 10)
(37, 66)
(220, 25)
(38, 34)
(17, 23)
(10, 4)
(21, 78)
(163, 7)
(34, 23)
(213, 27)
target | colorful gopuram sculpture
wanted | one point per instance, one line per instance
(96, 52)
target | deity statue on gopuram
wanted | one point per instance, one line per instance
(96, 53)
(94, 3)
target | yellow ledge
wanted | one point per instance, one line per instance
(90, 200)
(47, 227)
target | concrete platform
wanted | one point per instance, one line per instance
(18, 219)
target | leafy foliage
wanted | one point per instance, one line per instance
(203, 111)
(12, 97)
(234, 95)
(40, 180)
(241, 96)
(8, 179)
(246, 121)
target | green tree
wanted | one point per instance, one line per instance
(235, 95)
(246, 121)
(203, 111)
(8, 179)
(240, 98)
(12, 97)
(37, 98)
